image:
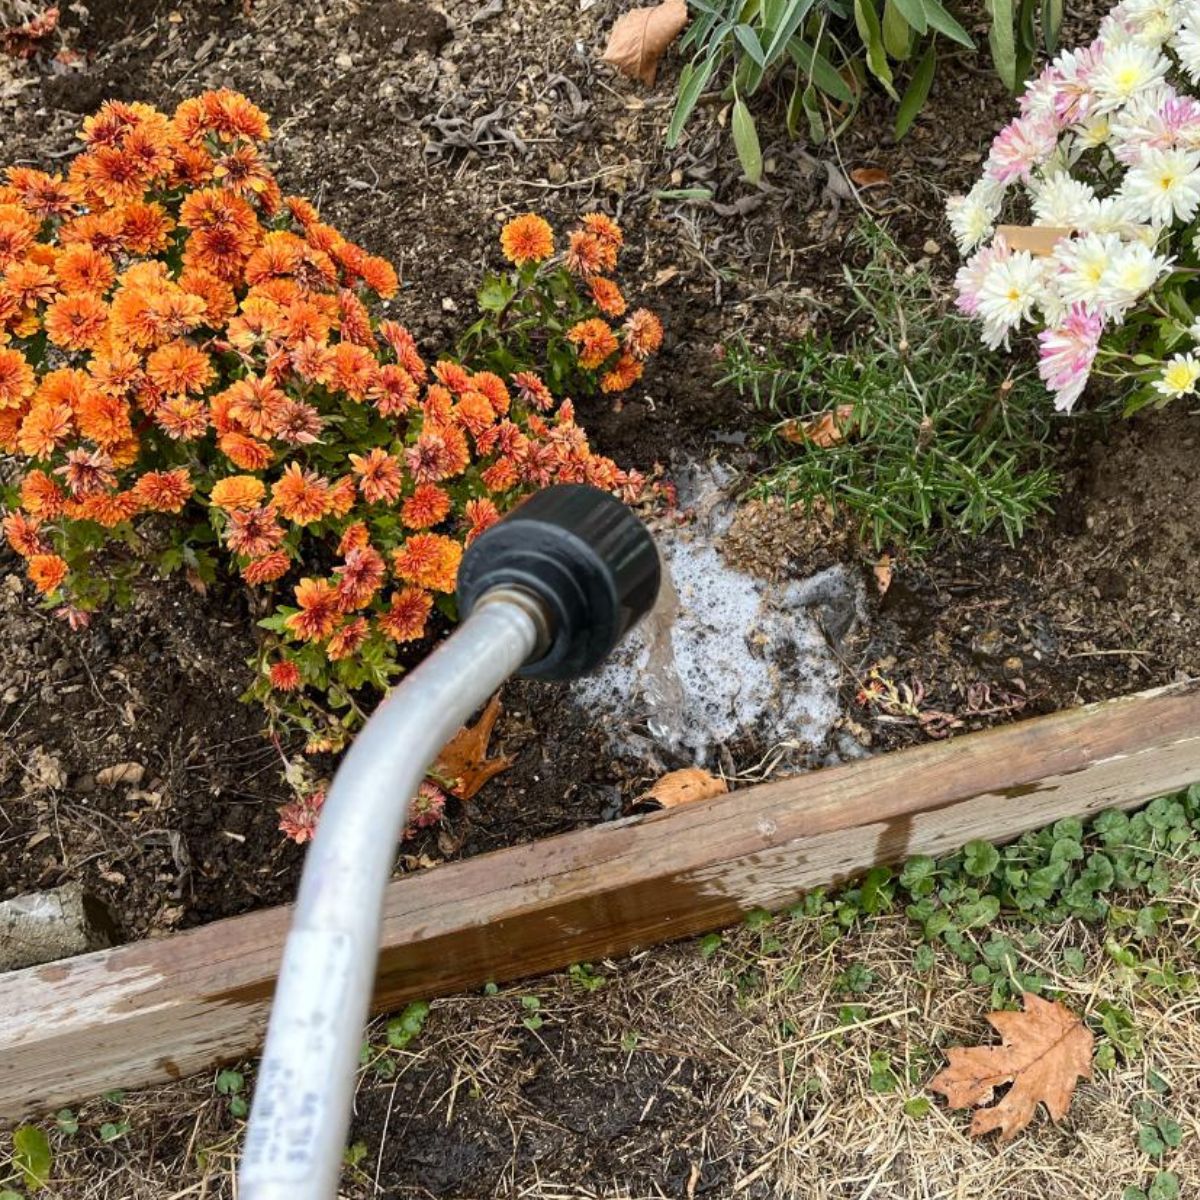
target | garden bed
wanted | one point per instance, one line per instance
(387, 134)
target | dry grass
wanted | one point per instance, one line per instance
(691, 1076)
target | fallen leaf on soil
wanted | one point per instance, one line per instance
(1046, 1049)
(684, 787)
(21, 41)
(883, 573)
(126, 772)
(464, 764)
(869, 177)
(641, 36)
(665, 276)
(822, 431)
(1038, 240)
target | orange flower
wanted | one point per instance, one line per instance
(407, 615)
(109, 509)
(41, 495)
(533, 391)
(179, 368)
(237, 491)
(267, 569)
(347, 640)
(494, 388)
(596, 342)
(253, 532)
(355, 537)
(353, 370)
(607, 296)
(42, 195)
(47, 572)
(587, 255)
(527, 239)
(24, 534)
(360, 577)
(482, 515)
(643, 333)
(452, 375)
(437, 456)
(298, 820)
(380, 276)
(257, 405)
(473, 412)
(285, 676)
(430, 560)
(44, 429)
(404, 347)
(379, 477)
(319, 611)
(500, 476)
(115, 372)
(81, 269)
(87, 473)
(245, 452)
(29, 284)
(16, 378)
(625, 372)
(181, 418)
(103, 418)
(78, 322)
(301, 496)
(428, 505)
(604, 229)
(394, 391)
(164, 491)
(342, 496)
(146, 227)
(16, 236)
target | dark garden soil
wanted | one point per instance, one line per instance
(419, 131)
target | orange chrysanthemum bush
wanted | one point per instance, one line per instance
(191, 372)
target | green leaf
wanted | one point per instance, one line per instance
(866, 19)
(1052, 15)
(709, 944)
(821, 71)
(913, 12)
(980, 858)
(1149, 1142)
(917, 1107)
(1170, 1131)
(917, 92)
(745, 142)
(1164, 1187)
(496, 292)
(692, 82)
(402, 1029)
(786, 30)
(749, 42)
(693, 193)
(31, 1156)
(945, 24)
(1002, 39)
(896, 32)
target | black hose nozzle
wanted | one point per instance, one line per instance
(585, 557)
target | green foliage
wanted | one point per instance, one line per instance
(32, 1157)
(821, 53)
(232, 1084)
(584, 977)
(934, 433)
(403, 1029)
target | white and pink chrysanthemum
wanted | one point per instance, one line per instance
(1067, 352)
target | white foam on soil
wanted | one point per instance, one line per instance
(749, 659)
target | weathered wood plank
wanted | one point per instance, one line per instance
(156, 1010)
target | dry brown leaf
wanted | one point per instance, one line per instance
(684, 787)
(464, 765)
(1045, 1050)
(1038, 240)
(822, 431)
(883, 573)
(641, 36)
(118, 773)
(869, 177)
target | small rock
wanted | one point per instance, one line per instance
(931, 247)
(344, 61)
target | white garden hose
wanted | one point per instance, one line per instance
(296, 1136)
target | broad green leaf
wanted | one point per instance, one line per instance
(866, 19)
(694, 193)
(31, 1156)
(692, 82)
(945, 24)
(796, 12)
(1002, 39)
(748, 40)
(821, 71)
(917, 92)
(914, 13)
(1052, 15)
(745, 142)
(808, 103)
(896, 33)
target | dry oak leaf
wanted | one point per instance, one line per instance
(463, 764)
(684, 787)
(641, 36)
(882, 571)
(822, 431)
(1045, 1050)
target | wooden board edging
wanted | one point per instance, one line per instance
(156, 1010)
